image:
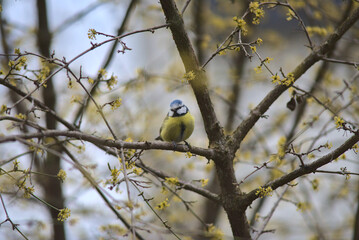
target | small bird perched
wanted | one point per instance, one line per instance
(178, 124)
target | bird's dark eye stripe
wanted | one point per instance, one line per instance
(174, 110)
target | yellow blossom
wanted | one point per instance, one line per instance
(90, 80)
(28, 191)
(241, 25)
(258, 69)
(188, 155)
(61, 175)
(355, 148)
(204, 182)
(16, 165)
(315, 30)
(259, 41)
(189, 76)
(115, 173)
(75, 99)
(268, 60)
(172, 181)
(44, 73)
(281, 146)
(3, 109)
(258, 12)
(116, 103)
(114, 229)
(329, 145)
(214, 233)
(102, 73)
(164, 190)
(11, 63)
(63, 214)
(303, 206)
(69, 84)
(91, 34)
(162, 205)
(315, 184)
(20, 116)
(262, 192)
(137, 171)
(253, 48)
(290, 14)
(338, 121)
(112, 82)
(276, 79)
(289, 79)
(222, 52)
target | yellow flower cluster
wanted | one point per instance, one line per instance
(3, 109)
(22, 185)
(214, 233)
(116, 103)
(28, 191)
(129, 152)
(137, 171)
(355, 148)
(290, 14)
(61, 175)
(44, 73)
(112, 82)
(258, 12)
(262, 192)
(281, 146)
(18, 64)
(329, 145)
(320, 31)
(162, 205)
(287, 81)
(172, 180)
(241, 24)
(91, 34)
(113, 229)
(204, 182)
(189, 76)
(63, 214)
(114, 175)
(315, 184)
(303, 206)
(20, 116)
(258, 69)
(338, 121)
(102, 73)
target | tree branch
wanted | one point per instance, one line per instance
(208, 153)
(199, 83)
(306, 169)
(308, 62)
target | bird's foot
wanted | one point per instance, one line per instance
(188, 145)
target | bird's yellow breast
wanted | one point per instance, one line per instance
(177, 129)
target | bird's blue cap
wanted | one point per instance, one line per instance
(175, 104)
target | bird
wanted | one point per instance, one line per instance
(178, 124)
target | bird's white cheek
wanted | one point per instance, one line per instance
(170, 113)
(182, 110)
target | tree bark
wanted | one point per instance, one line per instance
(52, 186)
